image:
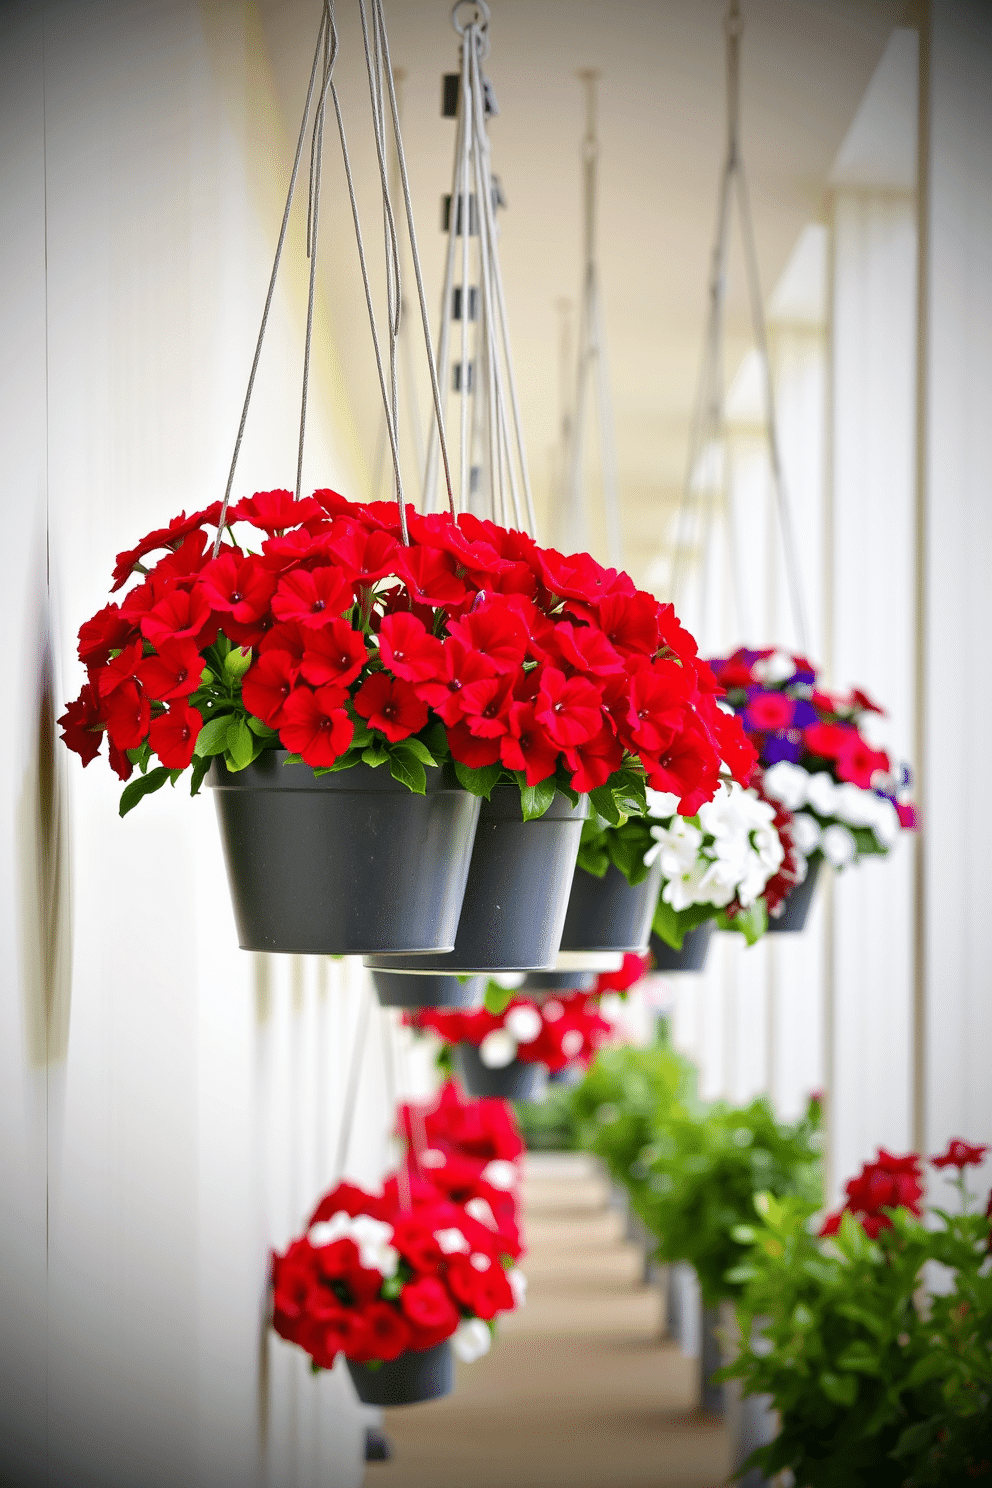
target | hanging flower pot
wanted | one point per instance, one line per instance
(517, 1080)
(798, 903)
(545, 983)
(517, 890)
(691, 957)
(398, 989)
(323, 864)
(608, 914)
(413, 1377)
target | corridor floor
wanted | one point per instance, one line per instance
(579, 1390)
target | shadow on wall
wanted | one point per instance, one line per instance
(44, 868)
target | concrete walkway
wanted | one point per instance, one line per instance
(579, 1390)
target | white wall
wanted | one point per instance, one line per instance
(170, 1105)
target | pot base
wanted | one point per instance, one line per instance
(425, 1374)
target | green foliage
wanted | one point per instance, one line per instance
(549, 1125)
(701, 1173)
(626, 1093)
(874, 1381)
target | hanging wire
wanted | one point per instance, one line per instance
(489, 408)
(591, 361)
(381, 86)
(708, 415)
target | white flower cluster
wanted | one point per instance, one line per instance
(840, 807)
(372, 1236)
(732, 854)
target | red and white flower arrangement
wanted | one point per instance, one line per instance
(846, 798)
(558, 1032)
(317, 629)
(380, 1275)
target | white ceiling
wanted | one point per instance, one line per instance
(806, 67)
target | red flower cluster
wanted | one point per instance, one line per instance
(467, 1150)
(630, 973)
(889, 1183)
(532, 661)
(556, 1032)
(376, 1276)
(788, 717)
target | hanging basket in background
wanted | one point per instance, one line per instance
(514, 1081)
(408, 1380)
(797, 903)
(547, 983)
(691, 956)
(397, 989)
(608, 913)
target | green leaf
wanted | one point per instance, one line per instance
(417, 747)
(212, 738)
(604, 803)
(240, 744)
(842, 1389)
(536, 799)
(478, 782)
(374, 756)
(751, 923)
(860, 1356)
(143, 786)
(362, 737)
(293, 759)
(200, 767)
(261, 729)
(140, 756)
(926, 1368)
(668, 925)
(405, 767)
(497, 999)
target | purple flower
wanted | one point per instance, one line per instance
(781, 747)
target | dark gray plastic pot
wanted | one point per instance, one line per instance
(516, 1081)
(560, 981)
(692, 956)
(517, 890)
(400, 989)
(424, 1374)
(606, 914)
(798, 903)
(345, 863)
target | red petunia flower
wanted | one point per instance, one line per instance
(82, 724)
(180, 616)
(128, 714)
(630, 623)
(585, 649)
(486, 706)
(960, 1155)
(174, 672)
(335, 654)
(183, 566)
(162, 537)
(173, 735)
(496, 633)
(658, 697)
(108, 631)
(469, 750)
(289, 637)
(239, 587)
(431, 577)
(120, 669)
(391, 706)
(689, 767)
(267, 685)
(408, 650)
(314, 599)
(273, 511)
(527, 746)
(366, 556)
(858, 762)
(387, 1334)
(825, 739)
(570, 709)
(459, 667)
(315, 725)
(427, 1304)
(579, 576)
(593, 762)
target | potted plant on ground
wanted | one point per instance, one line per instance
(847, 798)
(392, 1282)
(508, 1053)
(875, 1380)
